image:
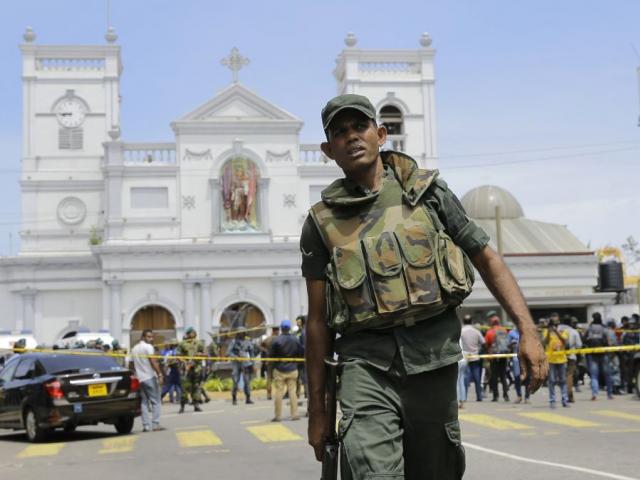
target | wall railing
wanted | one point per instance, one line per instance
(70, 64)
(149, 153)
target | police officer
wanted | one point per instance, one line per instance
(392, 243)
(190, 346)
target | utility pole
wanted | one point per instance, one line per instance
(503, 313)
(635, 50)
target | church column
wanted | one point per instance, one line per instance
(216, 199)
(116, 309)
(205, 307)
(294, 309)
(28, 309)
(189, 300)
(278, 300)
(106, 305)
(263, 204)
(19, 313)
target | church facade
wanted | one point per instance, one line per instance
(202, 231)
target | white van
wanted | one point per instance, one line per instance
(7, 339)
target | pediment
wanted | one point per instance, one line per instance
(238, 103)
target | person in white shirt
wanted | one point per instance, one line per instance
(472, 342)
(150, 375)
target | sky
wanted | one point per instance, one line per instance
(540, 98)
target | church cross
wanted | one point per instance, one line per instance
(235, 62)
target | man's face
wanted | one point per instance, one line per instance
(148, 337)
(353, 141)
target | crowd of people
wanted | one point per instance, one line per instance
(183, 379)
(612, 371)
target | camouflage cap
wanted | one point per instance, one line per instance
(342, 102)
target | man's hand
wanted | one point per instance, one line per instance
(317, 432)
(533, 361)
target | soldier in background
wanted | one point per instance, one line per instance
(242, 369)
(265, 347)
(190, 346)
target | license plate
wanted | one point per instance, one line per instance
(77, 408)
(98, 390)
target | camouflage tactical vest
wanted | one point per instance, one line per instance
(391, 262)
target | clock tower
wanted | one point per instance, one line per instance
(71, 105)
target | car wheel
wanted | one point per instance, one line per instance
(124, 425)
(35, 433)
(69, 428)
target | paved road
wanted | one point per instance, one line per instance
(239, 443)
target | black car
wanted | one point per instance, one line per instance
(43, 391)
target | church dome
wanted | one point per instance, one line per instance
(481, 203)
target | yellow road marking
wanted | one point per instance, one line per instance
(192, 427)
(616, 414)
(117, 445)
(44, 450)
(492, 422)
(274, 433)
(559, 419)
(198, 438)
(621, 430)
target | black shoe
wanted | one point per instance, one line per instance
(234, 401)
(494, 399)
(196, 408)
(248, 401)
(181, 408)
(207, 399)
(506, 398)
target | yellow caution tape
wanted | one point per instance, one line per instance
(574, 351)
(63, 351)
(490, 356)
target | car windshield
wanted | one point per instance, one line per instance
(75, 363)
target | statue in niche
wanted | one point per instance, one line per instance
(239, 189)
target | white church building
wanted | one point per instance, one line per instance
(203, 231)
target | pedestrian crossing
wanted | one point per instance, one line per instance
(524, 423)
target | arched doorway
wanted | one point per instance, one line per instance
(156, 318)
(241, 317)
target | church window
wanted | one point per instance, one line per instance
(149, 197)
(391, 118)
(240, 181)
(70, 138)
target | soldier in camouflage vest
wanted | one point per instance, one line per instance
(388, 255)
(191, 370)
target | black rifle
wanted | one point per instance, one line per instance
(332, 443)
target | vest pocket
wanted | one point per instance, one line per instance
(419, 265)
(454, 269)
(351, 274)
(385, 264)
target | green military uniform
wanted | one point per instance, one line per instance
(191, 371)
(397, 287)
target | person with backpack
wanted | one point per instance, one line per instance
(598, 362)
(497, 341)
(556, 342)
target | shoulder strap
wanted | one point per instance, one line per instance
(316, 222)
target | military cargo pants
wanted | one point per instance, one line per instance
(397, 426)
(191, 388)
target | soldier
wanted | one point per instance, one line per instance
(190, 346)
(389, 243)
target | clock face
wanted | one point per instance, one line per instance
(70, 113)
